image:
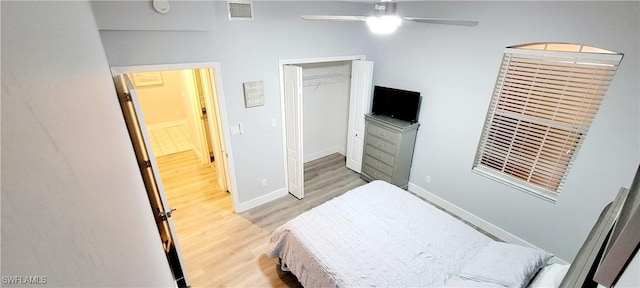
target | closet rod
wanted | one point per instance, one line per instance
(324, 79)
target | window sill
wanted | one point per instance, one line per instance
(517, 184)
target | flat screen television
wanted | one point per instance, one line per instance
(396, 103)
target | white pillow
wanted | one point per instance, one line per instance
(549, 276)
(505, 264)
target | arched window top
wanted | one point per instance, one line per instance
(563, 47)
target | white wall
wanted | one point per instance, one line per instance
(140, 15)
(247, 51)
(455, 69)
(326, 110)
(163, 104)
(74, 208)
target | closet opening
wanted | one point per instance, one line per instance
(323, 105)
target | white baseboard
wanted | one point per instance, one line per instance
(323, 153)
(201, 157)
(475, 220)
(167, 124)
(244, 206)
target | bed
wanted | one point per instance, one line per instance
(380, 235)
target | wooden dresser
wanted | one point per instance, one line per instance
(388, 149)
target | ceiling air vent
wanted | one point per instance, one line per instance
(240, 10)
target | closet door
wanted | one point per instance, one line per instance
(293, 123)
(359, 105)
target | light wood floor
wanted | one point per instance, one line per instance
(222, 248)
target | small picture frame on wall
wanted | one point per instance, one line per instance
(253, 93)
(147, 79)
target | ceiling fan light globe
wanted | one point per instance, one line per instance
(384, 24)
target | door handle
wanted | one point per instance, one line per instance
(166, 214)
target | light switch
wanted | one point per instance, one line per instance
(273, 122)
(235, 130)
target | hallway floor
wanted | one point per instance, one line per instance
(202, 210)
(169, 140)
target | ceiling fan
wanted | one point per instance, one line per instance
(385, 19)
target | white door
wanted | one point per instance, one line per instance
(293, 129)
(359, 105)
(132, 112)
(215, 126)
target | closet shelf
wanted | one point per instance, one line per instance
(316, 80)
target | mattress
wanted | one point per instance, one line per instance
(375, 235)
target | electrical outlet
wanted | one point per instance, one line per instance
(427, 179)
(264, 182)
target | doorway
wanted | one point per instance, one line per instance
(323, 105)
(186, 102)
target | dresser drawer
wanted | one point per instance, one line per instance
(391, 136)
(381, 144)
(379, 155)
(378, 165)
(375, 174)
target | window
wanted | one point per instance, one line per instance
(543, 103)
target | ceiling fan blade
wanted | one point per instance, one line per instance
(442, 21)
(333, 18)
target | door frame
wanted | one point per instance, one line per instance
(212, 103)
(192, 102)
(281, 65)
(226, 135)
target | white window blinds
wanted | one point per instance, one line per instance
(542, 106)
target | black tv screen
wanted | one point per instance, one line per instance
(396, 103)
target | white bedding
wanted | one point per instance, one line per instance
(375, 235)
